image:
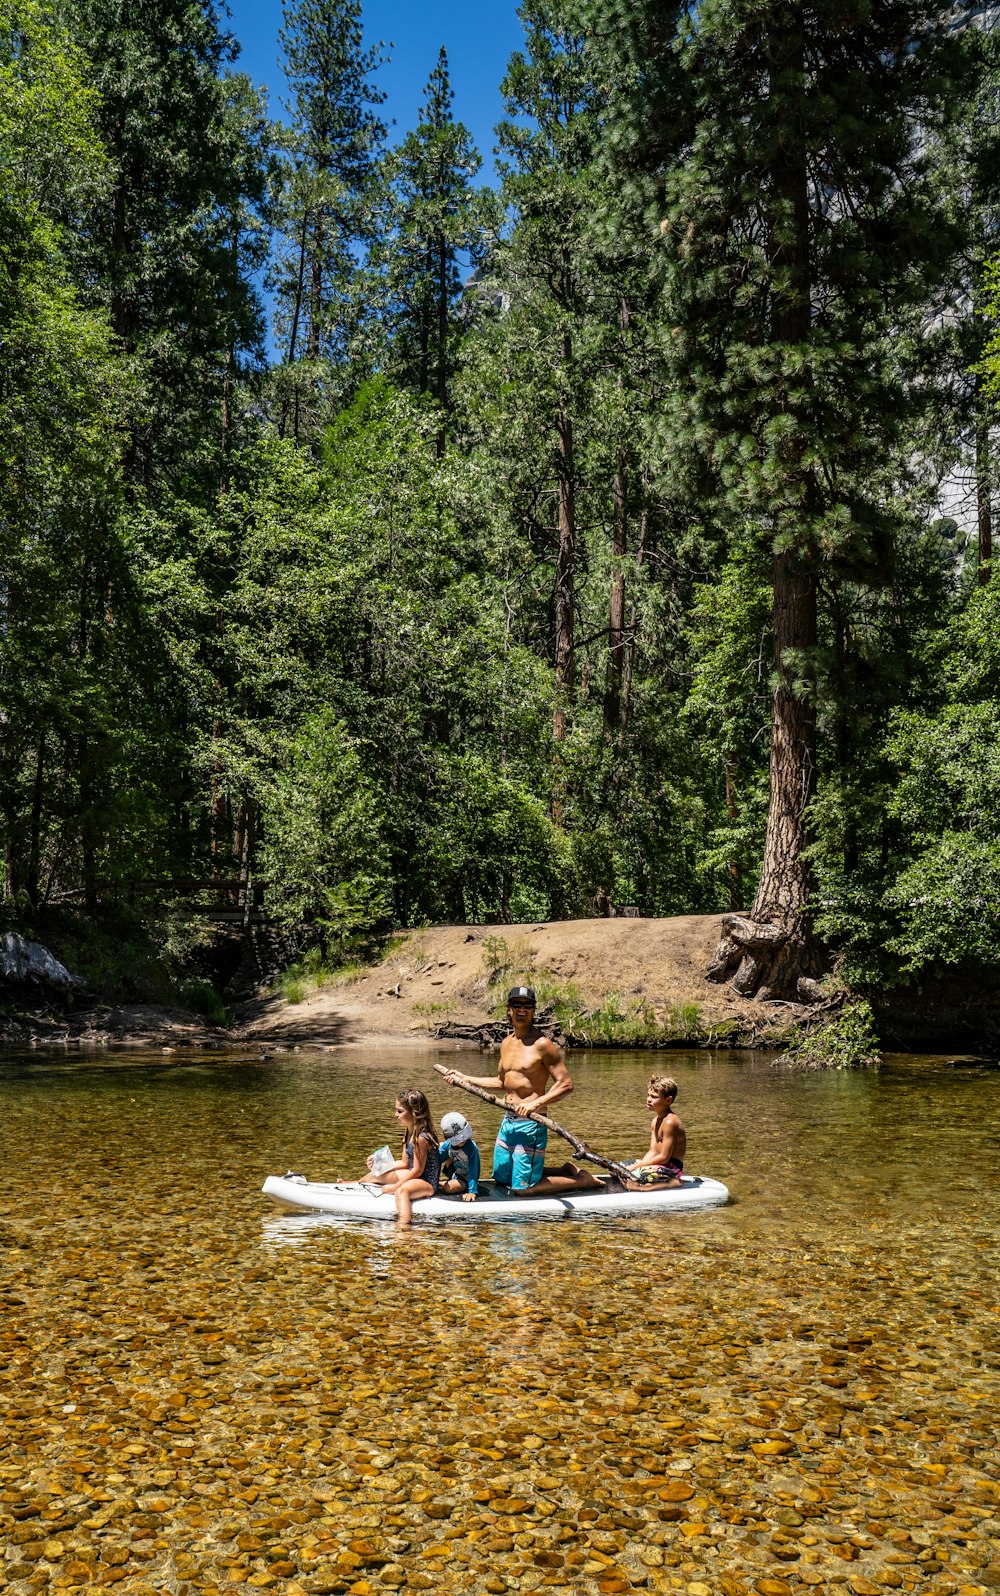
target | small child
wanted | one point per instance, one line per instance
(460, 1162)
(663, 1165)
(416, 1173)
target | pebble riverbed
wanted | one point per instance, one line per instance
(201, 1394)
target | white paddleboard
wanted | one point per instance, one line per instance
(367, 1200)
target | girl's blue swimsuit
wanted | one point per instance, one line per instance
(432, 1168)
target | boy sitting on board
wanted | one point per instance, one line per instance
(662, 1166)
(460, 1162)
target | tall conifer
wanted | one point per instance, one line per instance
(435, 218)
(185, 141)
(546, 152)
(778, 149)
(327, 199)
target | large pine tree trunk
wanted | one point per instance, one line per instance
(984, 488)
(773, 949)
(616, 609)
(632, 633)
(768, 953)
(565, 598)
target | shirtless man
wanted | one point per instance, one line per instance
(662, 1166)
(529, 1061)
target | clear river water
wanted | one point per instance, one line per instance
(199, 1393)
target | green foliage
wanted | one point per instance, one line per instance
(202, 998)
(946, 898)
(293, 988)
(990, 363)
(316, 971)
(61, 661)
(168, 255)
(322, 857)
(468, 611)
(927, 892)
(619, 1023)
(845, 1041)
(432, 217)
(729, 705)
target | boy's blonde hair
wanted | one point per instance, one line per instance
(663, 1085)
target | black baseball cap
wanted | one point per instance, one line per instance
(521, 994)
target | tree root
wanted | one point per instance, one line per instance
(767, 960)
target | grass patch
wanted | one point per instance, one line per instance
(202, 998)
(293, 988)
(616, 1022)
(509, 963)
(312, 974)
(393, 943)
(619, 1022)
(432, 1012)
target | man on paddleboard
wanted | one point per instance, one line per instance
(529, 1062)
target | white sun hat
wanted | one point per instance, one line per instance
(456, 1129)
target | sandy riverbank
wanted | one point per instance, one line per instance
(439, 976)
(433, 977)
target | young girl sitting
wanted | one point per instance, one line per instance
(416, 1173)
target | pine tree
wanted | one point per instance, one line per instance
(533, 368)
(325, 212)
(779, 148)
(166, 256)
(435, 218)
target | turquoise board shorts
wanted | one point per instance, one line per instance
(519, 1154)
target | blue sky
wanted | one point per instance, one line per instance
(478, 38)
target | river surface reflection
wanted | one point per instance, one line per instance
(200, 1393)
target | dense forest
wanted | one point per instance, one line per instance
(382, 547)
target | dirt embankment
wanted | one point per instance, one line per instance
(439, 976)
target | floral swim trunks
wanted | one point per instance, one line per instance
(653, 1173)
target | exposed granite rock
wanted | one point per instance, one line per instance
(24, 963)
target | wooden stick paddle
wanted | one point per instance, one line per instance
(580, 1148)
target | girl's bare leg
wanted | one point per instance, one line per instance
(391, 1179)
(406, 1192)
